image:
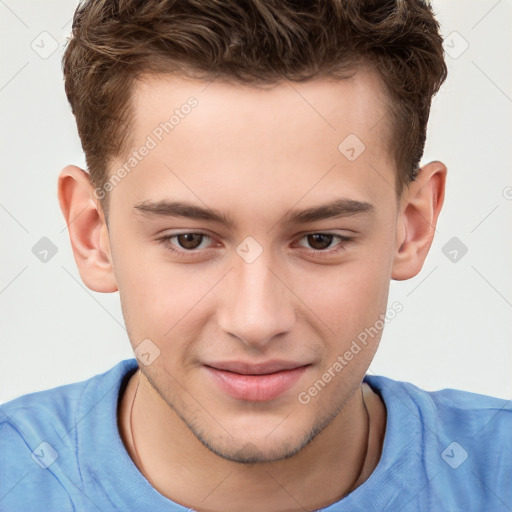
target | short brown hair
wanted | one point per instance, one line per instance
(250, 42)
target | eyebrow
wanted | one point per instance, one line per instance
(335, 209)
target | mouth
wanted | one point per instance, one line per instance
(255, 382)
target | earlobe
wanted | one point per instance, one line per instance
(87, 229)
(417, 219)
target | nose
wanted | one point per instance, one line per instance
(259, 306)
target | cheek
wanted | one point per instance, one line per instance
(161, 303)
(158, 297)
(349, 297)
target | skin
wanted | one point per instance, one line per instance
(254, 154)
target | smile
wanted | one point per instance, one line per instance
(258, 387)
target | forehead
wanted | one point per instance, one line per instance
(322, 105)
(218, 136)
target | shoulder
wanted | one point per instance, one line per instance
(55, 409)
(452, 410)
(39, 445)
(461, 440)
(450, 413)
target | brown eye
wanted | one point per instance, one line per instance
(320, 245)
(186, 245)
(319, 241)
(189, 240)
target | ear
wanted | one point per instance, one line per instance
(87, 229)
(419, 209)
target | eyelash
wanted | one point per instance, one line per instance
(344, 242)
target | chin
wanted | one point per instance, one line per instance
(265, 444)
(252, 452)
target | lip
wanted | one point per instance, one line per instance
(272, 366)
(255, 382)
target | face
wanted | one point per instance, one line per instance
(246, 235)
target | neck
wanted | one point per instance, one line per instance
(337, 460)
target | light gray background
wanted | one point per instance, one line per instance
(455, 328)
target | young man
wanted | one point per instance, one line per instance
(253, 187)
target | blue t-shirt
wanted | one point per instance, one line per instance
(449, 450)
